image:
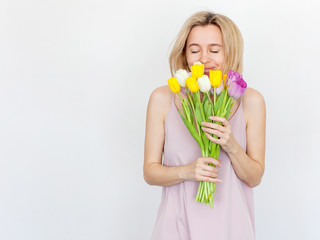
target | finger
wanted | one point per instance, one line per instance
(209, 174)
(214, 126)
(209, 168)
(210, 179)
(220, 119)
(212, 160)
(212, 139)
(212, 131)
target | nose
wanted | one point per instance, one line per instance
(204, 57)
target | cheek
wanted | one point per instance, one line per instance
(191, 59)
(220, 59)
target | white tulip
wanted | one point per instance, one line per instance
(181, 76)
(204, 84)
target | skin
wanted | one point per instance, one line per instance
(205, 44)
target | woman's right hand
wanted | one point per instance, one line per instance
(199, 170)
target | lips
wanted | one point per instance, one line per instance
(207, 70)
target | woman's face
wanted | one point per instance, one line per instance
(204, 44)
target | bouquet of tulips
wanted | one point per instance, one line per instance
(219, 93)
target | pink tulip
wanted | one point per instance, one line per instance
(236, 85)
(237, 88)
(233, 76)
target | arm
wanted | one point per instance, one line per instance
(249, 166)
(154, 172)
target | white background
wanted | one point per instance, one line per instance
(75, 79)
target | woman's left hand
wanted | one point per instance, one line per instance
(224, 132)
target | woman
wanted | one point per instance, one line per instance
(215, 41)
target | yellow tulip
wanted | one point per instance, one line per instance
(174, 85)
(192, 84)
(225, 80)
(215, 78)
(197, 70)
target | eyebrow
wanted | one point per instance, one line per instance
(211, 44)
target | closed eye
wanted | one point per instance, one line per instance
(210, 51)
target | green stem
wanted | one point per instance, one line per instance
(190, 100)
(180, 97)
(224, 101)
(186, 109)
(212, 108)
(192, 106)
(206, 190)
(225, 108)
(211, 103)
(201, 108)
(199, 192)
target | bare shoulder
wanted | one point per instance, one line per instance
(159, 101)
(252, 100)
(253, 104)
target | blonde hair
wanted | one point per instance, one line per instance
(231, 37)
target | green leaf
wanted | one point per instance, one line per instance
(198, 114)
(214, 150)
(192, 130)
(204, 99)
(190, 111)
(205, 140)
(206, 107)
(195, 98)
(191, 115)
(228, 111)
(185, 111)
(218, 104)
(209, 113)
(190, 99)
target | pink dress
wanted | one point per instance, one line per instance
(180, 217)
